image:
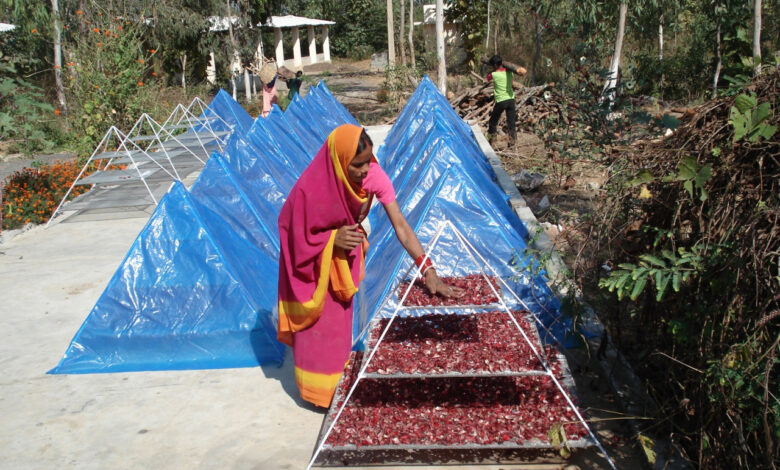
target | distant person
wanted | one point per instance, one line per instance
(294, 84)
(504, 97)
(270, 97)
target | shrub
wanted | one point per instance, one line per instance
(31, 195)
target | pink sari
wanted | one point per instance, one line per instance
(316, 279)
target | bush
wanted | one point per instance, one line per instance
(32, 194)
(108, 79)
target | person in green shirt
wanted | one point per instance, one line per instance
(504, 98)
(294, 84)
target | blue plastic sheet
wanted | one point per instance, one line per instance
(197, 287)
(190, 294)
(226, 111)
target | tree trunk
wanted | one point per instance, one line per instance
(537, 48)
(757, 37)
(390, 34)
(614, 68)
(411, 33)
(247, 85)
(440, 46)
(184, 71)
(235, 49)
(661, 50)
(156, 63)
(487, 36)
(401, 33)
(56, 21)
(719, 63)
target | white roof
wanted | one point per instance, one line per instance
(6, 27)
(220, 23)
(429, 14)
(290, 20)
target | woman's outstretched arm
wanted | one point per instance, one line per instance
(409, 241)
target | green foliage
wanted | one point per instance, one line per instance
(661, 270)
(557, 437)
(748, 118)
(471, 17)
(23, 109)
(107, 80)
(360, 26)
(692, 176)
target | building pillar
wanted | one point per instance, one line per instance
(296, 47)
(325, 44)
(279, 47)
(312, 45)
(211, 70)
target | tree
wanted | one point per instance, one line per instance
(756, 37)
(390, 34)
(401, 33)
(411, 32)
(614, 67)
(57, 36)
(440, 47)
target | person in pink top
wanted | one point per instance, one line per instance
(270, 96)
(322, 256)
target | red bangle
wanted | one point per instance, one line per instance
(424, 263)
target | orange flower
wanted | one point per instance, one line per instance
(154, 74)
(57, 112)
(151, 51)
(140, 61)
(79, 12)
(95, 30)
(100, 44)
(120, 28)
(100, 13)
(140, 83)
(34, 31)
(70, 64)
(56, 66)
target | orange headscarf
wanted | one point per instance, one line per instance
(343, 143)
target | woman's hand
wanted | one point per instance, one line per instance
(434, 284)
(348, 237)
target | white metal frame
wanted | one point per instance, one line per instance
(469, 248)
(161, 134)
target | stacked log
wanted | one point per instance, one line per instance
(533, 104)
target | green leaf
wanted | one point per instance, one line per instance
(688, 185)
(716, 151)
(653, 260)
(745, 103)
(662, 286)
(676, 281)
(687, 167)
(647, 446)
(627, 266)
(643, 177)
(639, 286)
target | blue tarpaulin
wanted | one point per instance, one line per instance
(197, 288)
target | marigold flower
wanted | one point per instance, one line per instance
(34, 31)
(120, 28)
(140, 61)
(140, 83)
(56, 66)
(79, 12)
(154, 74)
(151, 51)
(100, 13)
(57, 112)
(100, 44)
(95, 30)
(71, 64)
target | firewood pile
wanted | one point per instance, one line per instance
(533, 104)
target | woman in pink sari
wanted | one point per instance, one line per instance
(322, 256)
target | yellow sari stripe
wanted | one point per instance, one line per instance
(316, 380)
(339, 171)
(341, 276)
(293, 309)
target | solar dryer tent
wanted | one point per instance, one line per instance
(197, 288)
